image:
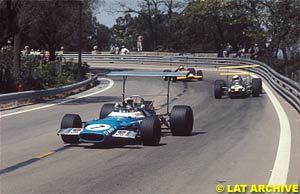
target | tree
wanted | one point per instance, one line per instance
(148, 17)
(44, 25)
(283, 28)
(12, 27)
(153, 19)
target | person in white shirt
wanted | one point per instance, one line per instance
(124, 50)
(139, 43)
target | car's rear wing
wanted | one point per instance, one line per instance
(240, 67)
(126, 74)
(237, 73)
(147, 73)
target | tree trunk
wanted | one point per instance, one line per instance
(285, 61)
(52, 54)
(17, 61)
(1, 73)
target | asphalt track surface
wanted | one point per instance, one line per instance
(234, 141)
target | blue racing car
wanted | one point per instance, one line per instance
(134, 118)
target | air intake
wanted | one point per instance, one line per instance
(91, 137)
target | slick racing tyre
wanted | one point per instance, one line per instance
(174, 79)
(166, 70)
(218, 90)
(181, 120)
(199, 72)
(192, 70)
(256, 87)
(260, 85)
(222, 82)
(151, 131)
(70, 121)
(106, 110)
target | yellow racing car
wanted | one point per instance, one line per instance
(191, 74)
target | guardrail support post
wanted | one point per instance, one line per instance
(124, 84)
(168, 96)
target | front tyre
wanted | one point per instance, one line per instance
(151, 131)
(70, 121)
(218, 88)
(174, 79)
(218, 91)
(166, 70)
(200, 73)
(181, 120)
(260, 85)
(256, 87)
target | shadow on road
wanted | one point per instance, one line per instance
(167, 133)
(118, 143)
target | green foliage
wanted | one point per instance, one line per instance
(207, 25)
(49, 74)
(37, 73)
(46, 25)
(6, 61)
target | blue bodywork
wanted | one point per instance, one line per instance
(121, 123)
(115, 123)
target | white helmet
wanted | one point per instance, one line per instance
(181, 67)
(129, 101)
(235, 77)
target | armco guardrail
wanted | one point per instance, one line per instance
(286, 87)
(34, 94)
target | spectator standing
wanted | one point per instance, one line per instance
(251, 52)
(38, 52)
(227, 50)
(60, 53)
(112, 49)
(32, 52)
(256, 51)
(241, 52)
(59, 64)
(139, 43)
(26, 50)
(7, 47)
(117, 50)
(95, 50)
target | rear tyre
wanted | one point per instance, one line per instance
(151, 131)
(199, 73)
(166, 70)
(256, 87)
(181, 120)
(70, 121)
(106, 110)
(192, 70)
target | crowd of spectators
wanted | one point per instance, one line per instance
(227, 51)
(114, 49)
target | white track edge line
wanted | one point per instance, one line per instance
(282, 161)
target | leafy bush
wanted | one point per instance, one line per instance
(6, 70)
(37, 73)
